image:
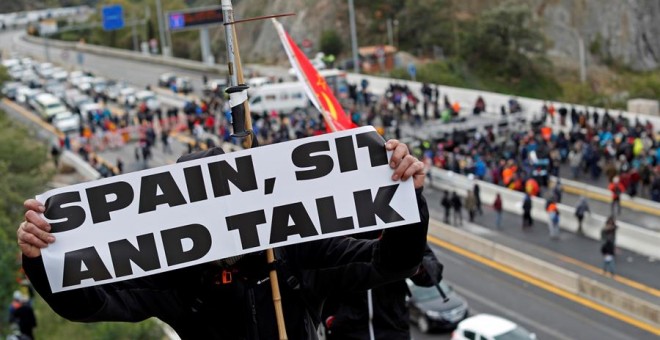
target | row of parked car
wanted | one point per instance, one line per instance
(64, 98)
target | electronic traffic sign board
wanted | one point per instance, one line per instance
(194, 18)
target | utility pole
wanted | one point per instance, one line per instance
(390, 35)
(354, 44)
(165, 50)
(136, 46)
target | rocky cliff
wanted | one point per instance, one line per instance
(625, 31)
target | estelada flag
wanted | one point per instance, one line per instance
(315, 86)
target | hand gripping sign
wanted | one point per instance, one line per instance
(207, 209)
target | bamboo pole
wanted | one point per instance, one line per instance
(238, 78)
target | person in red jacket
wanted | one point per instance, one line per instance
(617, 188)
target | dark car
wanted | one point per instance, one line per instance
(429, 311)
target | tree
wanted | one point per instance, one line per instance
(425, 23)
(504, 40)
(22, 174)
(331, 43)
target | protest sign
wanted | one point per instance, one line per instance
(206, 209)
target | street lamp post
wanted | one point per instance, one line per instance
(354, 44)
(161, 29)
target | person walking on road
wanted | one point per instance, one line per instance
(471, 205)
(445, 202)
(477, 196)
(557, 191)
(527, 211)
(458, 206)
(553, 219)
(607, 250)
(617, 188)
(497, 206)
(608, 233)
(581, 209)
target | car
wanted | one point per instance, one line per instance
(316, 62)
(126, 96)
(24, 93)
(490, 327)
(66, 121)
(166, 79)
(9, 90)
(147, 97)
(99, 85)
(256, 82)
(9, 63)
(60, 75)
(183, 85)
(215, 86)
(430, 311)
(78, 101)
(113, 91)
(15, 72)
(47, 105)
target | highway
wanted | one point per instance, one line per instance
(486, 287)
(488, 290)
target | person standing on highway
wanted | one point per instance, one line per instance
(557, 191)
(607, 250)
(497, 206)
(581, 209)
(608, 233)
(617, 188)
(527, 212)
(471, 205)
(445, 202)
(553, 219)
(477, 196)
(458, 206)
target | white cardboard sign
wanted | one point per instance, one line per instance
(175, 216)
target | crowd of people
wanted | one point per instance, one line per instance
(625, 152)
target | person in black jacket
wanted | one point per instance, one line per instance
(379, 313)
(231, 298)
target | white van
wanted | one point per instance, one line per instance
(282, 97)
(48, 105)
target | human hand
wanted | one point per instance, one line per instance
(33, 233)
(404, 164)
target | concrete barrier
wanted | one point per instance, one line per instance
(130, 55)
(550, 273)
(631, 305)
(631, 237)
(604, 195)
(82, 167)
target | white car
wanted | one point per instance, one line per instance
(490, 327)
(126, 94)
(66, 121)
(149, 98)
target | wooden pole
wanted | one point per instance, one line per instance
(234, 64)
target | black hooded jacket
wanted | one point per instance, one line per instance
(211, 302)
